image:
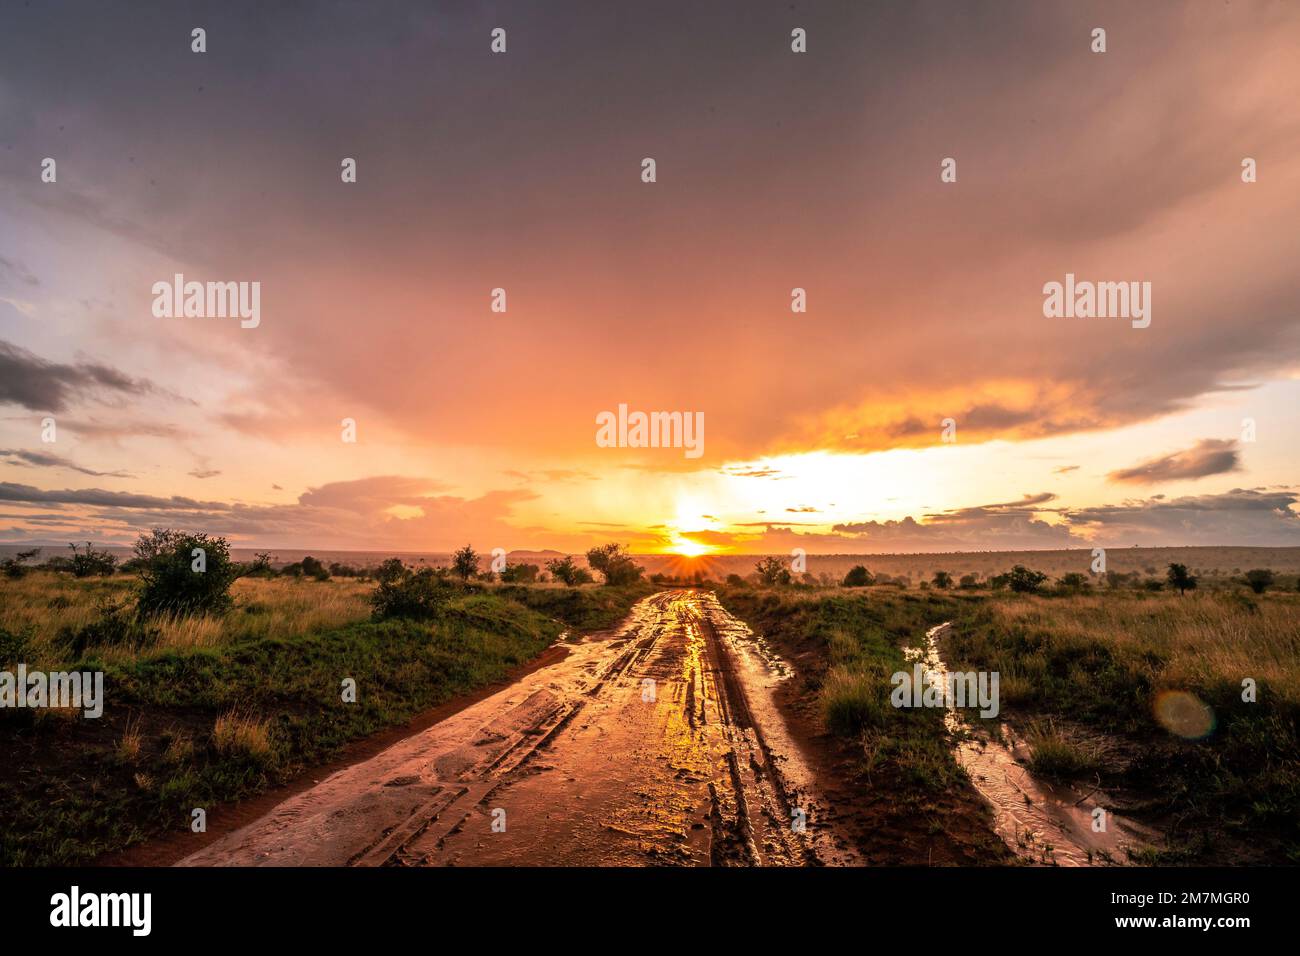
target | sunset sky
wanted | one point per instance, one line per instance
(775, 170)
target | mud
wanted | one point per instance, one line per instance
(658, 743)
(1042, 821)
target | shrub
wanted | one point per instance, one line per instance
(1259, 579)
(858, 577)
(113, 626)
(1020, 579)
(16, 566)
(90, 562)
(567, 571)
(1178, 577)
(260, 566)
(416, 595)
(315, 568)
(613, 561)
(735, 581)
(464, 563)
(519, 573)
(773, 571)
(13, 647)
(175, 582)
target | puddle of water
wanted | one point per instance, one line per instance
(1041, 821)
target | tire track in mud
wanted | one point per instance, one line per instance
(641, 746)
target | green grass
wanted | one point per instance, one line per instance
(847, 646)
(586, 608)
(196, 726)
(1105, 661)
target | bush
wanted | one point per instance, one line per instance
(519, 573)
(942, 580)
(773, 571)
(735, 581)
(177, 580)
(315, 568)
(13, 647)
(114, 626)
(16, 566)
(415, 595)
(1074, 582)
(1178, 577)
(567, 571)
(858, 577)
(90, 562)
(464, 563)
(1259, 579)
(613, 561)
(1020, 579)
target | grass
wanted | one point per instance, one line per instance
(586, 608)
(1055, 756)
(846, 646)
(1106, 661)
(42, 604)
(221, 709)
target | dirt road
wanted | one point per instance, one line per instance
(657, 743)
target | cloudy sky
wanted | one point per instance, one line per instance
(775, 170)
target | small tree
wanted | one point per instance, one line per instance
(1259, 579)
(773, 571)
(969, 581)
(567, 571)
(315, 568)
(90, 562)
(464, 563)
(614, 562)
(1074, 581)
(183, 573)
(402, 593)
(16, 566)
(1024, 581)
(858, 577)
(260, 566)
(519, 573)
(1179, 577)
(942, 580)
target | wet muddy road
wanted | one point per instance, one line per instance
(654, 744)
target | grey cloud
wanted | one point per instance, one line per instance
(1210, 456)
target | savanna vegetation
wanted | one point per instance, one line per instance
(224, 679)
(1179, 695)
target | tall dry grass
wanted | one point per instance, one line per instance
(42, 604)
(1195, 640)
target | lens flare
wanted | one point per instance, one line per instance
(1184, 714)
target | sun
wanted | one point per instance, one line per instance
(690, 549)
